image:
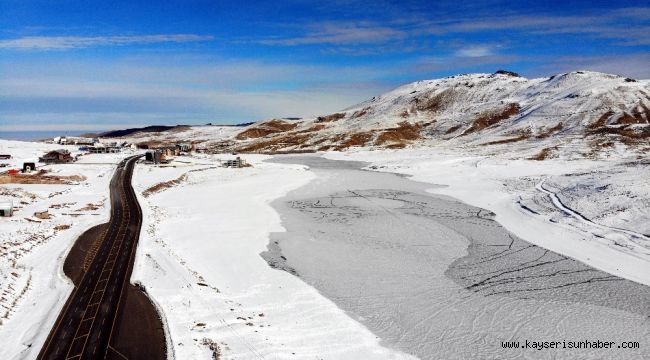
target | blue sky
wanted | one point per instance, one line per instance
(94, 65)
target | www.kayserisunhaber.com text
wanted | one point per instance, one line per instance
(564, 344)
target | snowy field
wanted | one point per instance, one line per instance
(597, 212)
(199, 260)
(32, 250)
(204, 232)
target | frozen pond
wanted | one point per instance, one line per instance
(439, 279)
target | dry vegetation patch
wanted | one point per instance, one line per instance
(544, 154)
(525, 135)
(154, 144)
(627, 134)
(313, 128)
(360, 113)
(403, 134)
(330, 118)
(61, 227)
(43, 215)
(40, 178)
(265, 129)
(636, 117)
(357, 139)
(551, 131)
(164, 185)
(90, 207)
(276, 143)
(491, 118)
(436, 102)
(453, 129)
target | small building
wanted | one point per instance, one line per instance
(153, 156)
(29, 166)
(170, 151)
(99, 148)
(81, 140)
(236, 163)
(56, 157)
(6, 208)
(184, 147)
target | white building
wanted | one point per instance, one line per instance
(6, 208)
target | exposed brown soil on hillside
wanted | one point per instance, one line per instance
(357, 139)
(626, 134)
(488, 119)
(453, 129)
(276, 143)
(312, 128)
(522, 137)
(330, 118)
(636, 117)
(360, 113)
(265, 129)
(401, 135)
(546, 133)
(155, 144)
(544, 154)
(436, 102)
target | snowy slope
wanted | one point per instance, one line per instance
(600, 110)
(580, 114)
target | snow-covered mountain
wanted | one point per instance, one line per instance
(572, 115)
(581, 113)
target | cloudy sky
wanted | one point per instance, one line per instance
(98, 65)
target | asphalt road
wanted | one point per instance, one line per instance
(85, 327)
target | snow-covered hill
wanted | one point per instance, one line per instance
(573, 115)
(585, 112)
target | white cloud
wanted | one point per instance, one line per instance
(632, 65)
(341, 33)
(71, 42)
(475, 51)
(71, 93)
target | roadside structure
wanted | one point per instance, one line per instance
(184, 147)
(171, 151)
(6, 208)
(28, 167)
(236, 163)
(154, 156)
(56, 157)
(104, 149)
(69, 140)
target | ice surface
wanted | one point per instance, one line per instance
(440, 279)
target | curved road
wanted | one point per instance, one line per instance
(85, 327)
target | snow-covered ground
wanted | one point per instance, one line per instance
(199, 259)
(199, 252)
(594, 211)
(33, 287)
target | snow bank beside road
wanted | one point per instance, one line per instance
(199, 259)
(508, 188)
